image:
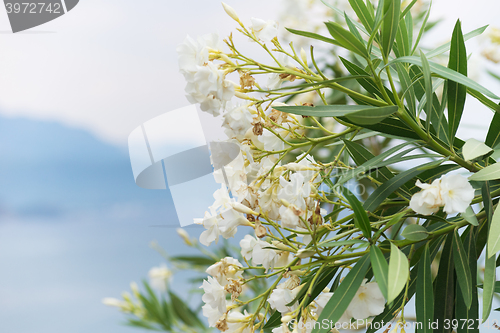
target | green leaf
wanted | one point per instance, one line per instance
(363, 112)
(422, 28)
(371, 116)
(273, 321)
(398, 273)
(447, 74)
(403, 298)
(196, 260)
(406, 85)
(415, 232)
(313, 36)
(424, 302)
(438, 122)
(392, 185)
(489, 173)
(403, 47)
(364, 79)
(360, 217)
(184, 313)
(392, 11)
(470, 314)
(444, 289)
(474, 148)
(488, 285)
(470, 216)
(352, 28)
(494, 235)
(493, 137)
(445, 47)
(380, 269)
(428, 88)
(376, 162)
(333, 243)
(456, 92)
(362, 12)
(346, 39)
(344, 294)
(462, 268)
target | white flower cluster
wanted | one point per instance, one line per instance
(206, 81)
(367, 302)
(452, 192)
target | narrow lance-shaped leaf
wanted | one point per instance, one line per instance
(384, 190)
(362, 12)
(346, 39)
(392, 10)
(456, 92)
(415, 232)
(489, 285)
(444, 296)
(343, 295)
(470, 314)
(474, 148)
(470, 216)
(428, 89)
(424, 302)
(462, 268)
(493, 137)
(398, 273)
(360, 217)
(491, 172)
(447, 74)
(380, 269)
(494, 234)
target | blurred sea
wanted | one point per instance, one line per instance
(74, 228)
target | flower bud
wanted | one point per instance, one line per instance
(185, 236)
(303, 55)
(286, 319)
(242, 208)
(304, 253)
(230, 11)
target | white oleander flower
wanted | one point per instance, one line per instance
(237, 121)
(222, 199)
(224, 224)
(295, 190)
(159, 276)
(214, 295)
(367, 302)
(193, 53)
(270, 203)
(321, 301)
(238, 322)
(289, 216)
(456, 193)
(453, 192)
(273, 81)
(235, 173)
(281, 296)
(271, 141)
(227, 268)
(247, 245)
(428, 200)
(212, 314)
(263, 255)
(208, 87)
(264, 30)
